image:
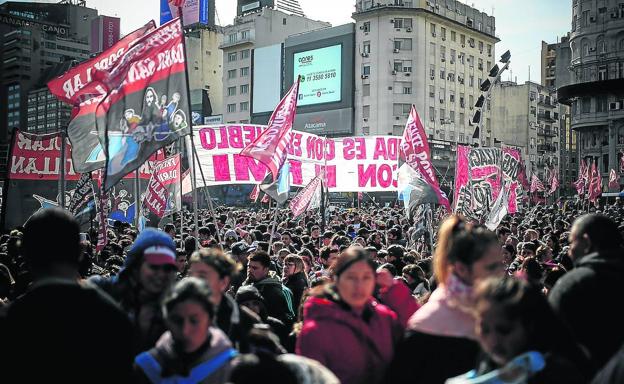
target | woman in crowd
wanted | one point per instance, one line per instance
(441, 342)
(192, 350)
(295, 278)
(344, 328)
(513, 318)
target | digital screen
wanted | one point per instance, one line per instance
(321, 75)
(193, 12)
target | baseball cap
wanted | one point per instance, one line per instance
(242, 247)
(159, 255)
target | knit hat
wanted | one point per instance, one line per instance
(153, 243)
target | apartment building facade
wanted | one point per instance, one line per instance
(433, 54)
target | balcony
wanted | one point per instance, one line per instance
(547, 132)
(547, 148)
(546, 117)
(251, 39)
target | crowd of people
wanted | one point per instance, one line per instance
(257, 296)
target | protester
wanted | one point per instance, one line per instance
(514, 318)
(344, 328)
(150, 269)
(295, 278)
(192, 350)
(48, 333)
(584, 297)
(217, 269)
(441, 341)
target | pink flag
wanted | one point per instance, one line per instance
(536, 184)
(613, 180)
(595, 184)
(300, 203)
(554, 183)
(161, 192)
(415, 152)
(270, 148)
(622, 163)
(187, 183)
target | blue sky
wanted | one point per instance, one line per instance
(520, 28)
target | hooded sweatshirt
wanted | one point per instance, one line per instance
(277, 304)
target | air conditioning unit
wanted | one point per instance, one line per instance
(364, 54)
(433, 34)
(443, 59)
(364, 76)
(432, 77)
(471, 107)
(392, 21)
(441, 101)
(362, 27)
(394, 72)
(408, 30)
(431, 94)
(614, 106)
(396, 50)
(429, 3)
(397, 117)
(407, 74)
(614, 15)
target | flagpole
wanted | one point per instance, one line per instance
(62, 171)
(206, 191)
(190, 143)
(136, 198)
(273, 227)
(323, 184)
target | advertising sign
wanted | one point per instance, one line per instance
(321, 75)
(193, 12)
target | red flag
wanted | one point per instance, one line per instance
(270, 148)
(255, 192)
(77, 84)
(300, 203)
(265, 199)
(415, 152)
(536, 184)
(162, 187)
(595, 184)
(614, 182)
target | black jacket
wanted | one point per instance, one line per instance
(297, 283)
(235, 321)
(586, 299)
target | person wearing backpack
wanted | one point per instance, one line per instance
(278, 298)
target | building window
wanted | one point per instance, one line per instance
(366, 26)
(401, 109)
(231, 108)
(586, 104)
(403, 44)
(232, 74)
(231, 91)
(244, 106)
(432, 49)
(232, 56)
(244, 89)
(366, 90)
(533, 110)
(366, 70)
(244, 71)
(245, 54)
(453, 36)
(366, 47)
(452, 117)
(245, 34)
(442, 73)
(431, 114)
(232, 38)
(432, 91)
(471, 81)
(601, 104)
(433, 29)
(407, 90)
(366, 111)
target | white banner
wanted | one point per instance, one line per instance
(354, 164)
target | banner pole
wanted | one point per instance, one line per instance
(137, 209)
(273, 227)
(62, 171)
(206, 191)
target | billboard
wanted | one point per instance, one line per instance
(104, 33)
(193, 12)
(244, 6)
(267, 78)
(321, 75)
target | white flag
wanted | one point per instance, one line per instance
(499, 210)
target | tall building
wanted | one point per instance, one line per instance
(595, 90)
(433, 54)
(205, 67)
(33, 38)
(526, 117)
(290, 7)
(263, 28)
(554, 63)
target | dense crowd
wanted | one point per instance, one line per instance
(257, 296)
